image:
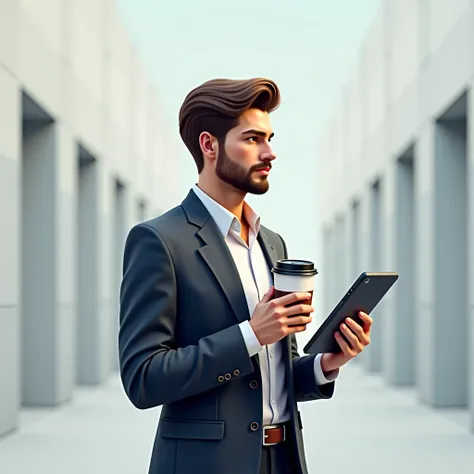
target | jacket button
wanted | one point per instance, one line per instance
(228, 376)
(253, 384)
(254, 426)
(236, 372)
(220, 378)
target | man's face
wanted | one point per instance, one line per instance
(244, 160)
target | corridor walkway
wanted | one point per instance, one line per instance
(367, 428)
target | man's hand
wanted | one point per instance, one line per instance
(358, 337)
(273, 318)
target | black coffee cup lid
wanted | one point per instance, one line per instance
(295, 267)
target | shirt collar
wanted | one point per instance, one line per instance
(224, 218)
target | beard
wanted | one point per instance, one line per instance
(239, 177)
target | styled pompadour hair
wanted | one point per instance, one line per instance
(216, 105)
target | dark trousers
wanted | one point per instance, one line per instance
(277, 459)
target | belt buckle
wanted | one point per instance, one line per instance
(273, 427)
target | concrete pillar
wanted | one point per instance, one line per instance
(108, 314)
(353, 245)
(95, 310)
(363, 217)
(398, 255)
(348, 255)
(343, 245)
(441, 270)
(65, 228)
(325, 271)
(470, 253)
(353, 238)
(425, 265)
(373, 240)
(124, 217)
(332, 267)
(48, 265)
(338, 257)
(141, 210)
(117, 231)
(87, 272)
(10, 183)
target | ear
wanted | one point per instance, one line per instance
(209, 145)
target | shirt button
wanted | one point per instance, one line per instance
(253, 384)
(254, 426)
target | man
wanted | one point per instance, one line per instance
(201, 333)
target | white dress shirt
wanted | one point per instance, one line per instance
(256, 279)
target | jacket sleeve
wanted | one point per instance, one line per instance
(153, 369)
(305, 386)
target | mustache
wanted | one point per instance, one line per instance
(261, 167)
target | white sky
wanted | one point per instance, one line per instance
(307, 46)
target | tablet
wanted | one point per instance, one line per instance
(364, 295)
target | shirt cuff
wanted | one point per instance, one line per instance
(322, 379)
(251, 341)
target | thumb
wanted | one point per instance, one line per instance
(268, 296)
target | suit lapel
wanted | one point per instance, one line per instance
(272, 256)
(268, 249)
(216, 255)
(218, 258)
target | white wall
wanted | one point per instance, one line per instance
(416, 63)
(74, 60)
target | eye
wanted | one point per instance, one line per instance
(252, 139)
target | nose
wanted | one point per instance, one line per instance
(268, 154)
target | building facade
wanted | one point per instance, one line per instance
(84, 155)
(397, 180)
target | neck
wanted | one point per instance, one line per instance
(226, 195)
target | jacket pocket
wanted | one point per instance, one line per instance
(191, 429)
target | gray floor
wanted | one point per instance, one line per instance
(367, 428)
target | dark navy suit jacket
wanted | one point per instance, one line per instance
(181, 348)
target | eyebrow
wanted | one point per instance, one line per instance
(258, 132)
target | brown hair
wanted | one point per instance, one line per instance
(216, 105)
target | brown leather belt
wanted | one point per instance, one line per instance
(274, 434)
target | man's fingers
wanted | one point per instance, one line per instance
(299, 309)
(268, 296)
(359, 331)
(297, 321)
(367, 321)
(347, 351)
(352, 338)
(293, 298)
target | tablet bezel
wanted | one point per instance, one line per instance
(334, 313)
